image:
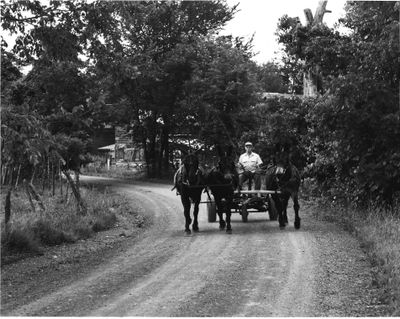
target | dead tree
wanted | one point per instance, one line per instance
(311, 76)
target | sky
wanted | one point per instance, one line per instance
(261, 18)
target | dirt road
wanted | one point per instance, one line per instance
(259, 270)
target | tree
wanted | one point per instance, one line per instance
(50, 100)
(270, 76)
(354, 127)
(143, 66)
(291, 36)
(223, 84)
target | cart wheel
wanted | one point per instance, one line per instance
(244, 213)
(273, 213)
(211, 212)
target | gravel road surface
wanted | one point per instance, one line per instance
(259, 270)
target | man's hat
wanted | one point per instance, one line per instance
(248, 144)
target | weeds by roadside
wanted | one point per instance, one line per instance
(30, 231)
(379, 232)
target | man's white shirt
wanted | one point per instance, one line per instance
(250, 162)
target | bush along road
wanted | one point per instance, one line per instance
(258, 270)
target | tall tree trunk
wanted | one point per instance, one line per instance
(160, 157)
(7, 207)
(44, 178)
(152, 155)
(165, 147)
(33, 174)
(18, 174)
(53, 178)
(4, 174)
(146, 155)
(60, 177)
(67, 193)
(11, 175)
(78, 188)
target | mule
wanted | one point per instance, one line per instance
(189, 183)
(223, 180)
(284, 176)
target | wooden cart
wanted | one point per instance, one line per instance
(248, 201)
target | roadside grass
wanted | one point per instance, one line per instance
(379, 232)
(115, 172)
(28, 231)
(127, 174)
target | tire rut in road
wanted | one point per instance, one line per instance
(119, 274)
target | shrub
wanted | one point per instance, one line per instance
(50, 235)
(104, 222)
(19, 240)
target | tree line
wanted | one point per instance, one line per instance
(162, 69)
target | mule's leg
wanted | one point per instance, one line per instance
(296, 207)
(195, 225)
(228, 216)
(284, 209)
(219, 204)
(186, 212)
(279, 203)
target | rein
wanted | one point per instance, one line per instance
(207, 185)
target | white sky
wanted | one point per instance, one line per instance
(261, 17)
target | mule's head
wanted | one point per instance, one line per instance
(226, 166)
(282, 164)
(191, 164)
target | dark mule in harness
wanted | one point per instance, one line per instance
(284, 176)
(189, 182)
(223, 180)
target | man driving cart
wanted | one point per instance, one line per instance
(250, 163)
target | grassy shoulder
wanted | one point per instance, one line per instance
(115, 172)
(29, 232)
(127, 174)
(379, 233)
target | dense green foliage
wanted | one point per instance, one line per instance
(354, 128)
